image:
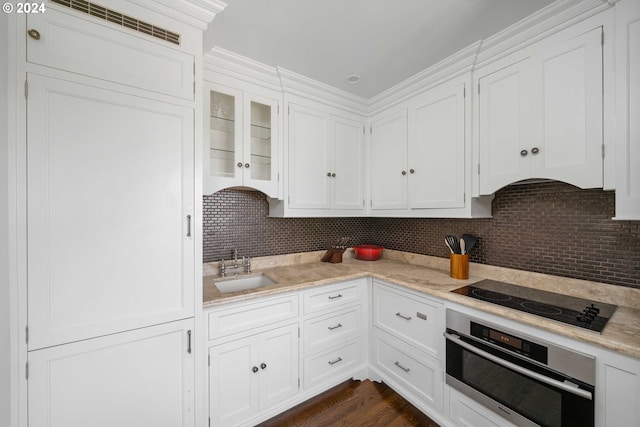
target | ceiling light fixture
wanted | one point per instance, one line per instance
(353, 79)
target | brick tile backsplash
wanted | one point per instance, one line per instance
(548, 227)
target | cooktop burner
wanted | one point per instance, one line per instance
(587, 314)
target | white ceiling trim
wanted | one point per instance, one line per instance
(197, 13)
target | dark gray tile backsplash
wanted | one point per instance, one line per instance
(549, 227)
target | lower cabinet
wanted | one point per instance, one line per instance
(143, 377)
(251, 374)
(409, 371)
(407, 346)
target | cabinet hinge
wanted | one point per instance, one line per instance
(478, 88)
(288, 110)
(464, 92)
(208, 360)
(26, 334)
(278, 109)
(603, 151)
(298, 331)
(278, 176)
(363, 131)
(298, 382)
(602, 39)
(26, 370)
(26, 89)
(209, 421)
(370, 130)
(363, 203)
(478, 168)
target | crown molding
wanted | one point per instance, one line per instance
(297, 84)
(551, 19)
(240, 68)
(196, 13)
(449, 68)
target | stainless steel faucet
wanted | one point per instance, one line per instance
(245, 264)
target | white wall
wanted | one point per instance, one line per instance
(5, 354)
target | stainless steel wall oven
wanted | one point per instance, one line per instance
(528, 381)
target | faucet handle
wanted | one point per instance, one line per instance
(223, 268)
(247, 264)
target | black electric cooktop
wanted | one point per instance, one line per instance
(584, 313)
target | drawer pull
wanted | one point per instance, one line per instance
(339, 325)
(333, 362)
(404, 317)
(335, 297)
(401, 367)
(421, 315)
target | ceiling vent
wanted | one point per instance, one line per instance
(118, 18)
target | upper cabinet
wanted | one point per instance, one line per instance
(325, 162)
(540, 112)
(241, 149)
(420, 156)
(628, 110)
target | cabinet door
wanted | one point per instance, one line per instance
(567, 109)
(309, 184)
(139, 378)
(504, 126)
(278, 363)
(389, 161)
(628, 110)
(110, 190)
(87, 47)
(436, 148)
(260, 146)
(223, 157)
(233, 381)
(347, 142)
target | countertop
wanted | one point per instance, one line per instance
(430, 276)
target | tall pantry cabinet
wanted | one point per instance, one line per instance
(109, 200)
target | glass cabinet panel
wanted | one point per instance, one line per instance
(260, 156)
(222, 135)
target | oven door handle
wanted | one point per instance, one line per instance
(550, 381)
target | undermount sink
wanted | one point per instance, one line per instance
(241, 283)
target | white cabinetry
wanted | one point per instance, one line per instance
(388, 172)
(334, 338)
(252, 374)
(618, 390)
(407, 348)
(109, 206)
(253, 358)
(420, 156)
(135, 378)
(109, 247)
(241, 140)
(325, 161)
(540, 112)
(628, 110)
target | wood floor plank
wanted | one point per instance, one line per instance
(353, 404)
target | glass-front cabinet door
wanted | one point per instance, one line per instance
(240, 141)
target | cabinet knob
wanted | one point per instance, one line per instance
(404, 172)
(34, 34)
(524, 153)
(263, 365)
(254, 369)
(411, 171)
(246, 165)
(333, 175)
(535, 150)
(239, 164)
(329, 174)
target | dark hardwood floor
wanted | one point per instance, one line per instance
(353, 404)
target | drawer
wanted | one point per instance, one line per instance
(332, 365)
(469, 413)
(336, 295)
(416, 372)
(415, 319)
(242, 317)
(331, 329)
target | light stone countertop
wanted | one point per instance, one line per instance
(430, 275)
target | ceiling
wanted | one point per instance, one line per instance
(382, 41)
